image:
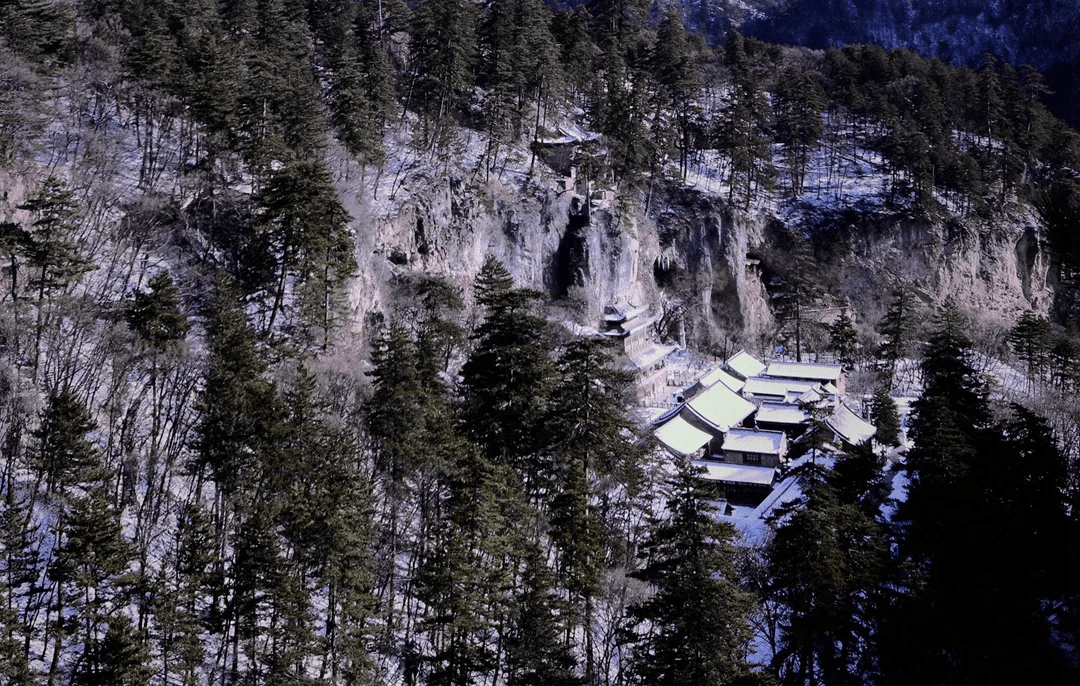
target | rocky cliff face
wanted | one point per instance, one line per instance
(991, 267)
(693, 246)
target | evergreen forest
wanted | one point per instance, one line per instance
(212, 474)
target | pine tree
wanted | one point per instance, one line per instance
(459, 577)
(239, 409)
(1031, 339)
(51, 248)
(506, 379)
(157, 318)
(42, 31)
(799, 103)
(63, 456)
(678, 81)
(802, 284)
(363, 87)
(156, 315)
(441, 65)
(179, 613)
(121, 658)
(886, 418)
(537, 655)
(698, 613)
(826, 561)
(19, 573)
(88, 567)
(899, 327)
(305, 224)
(416, 445)
(843, 339)
(279, 108)
(995, 482)
(745, 124)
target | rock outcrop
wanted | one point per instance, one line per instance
(692, 246)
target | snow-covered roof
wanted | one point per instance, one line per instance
(720, 407)
(651, 355)
(780, 388)
(718, 375)
(681, 437)
(811, 396)
(781, 413)
(850, 427)
(735, 473)
(745, 364)
(571, 134)
(622, 311)
(754, 441)
(804, 370)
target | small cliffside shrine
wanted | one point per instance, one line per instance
(739, 422)
(632, 326)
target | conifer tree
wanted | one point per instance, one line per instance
(802, 284)
(63, 456)
(239, 409)
(416, 445)
(537, 655)
(458, 582)
(886, 418)
(38, 29)
(698, 613)
(88, 567)
(156, 315)
(19, 574)
(678, 81)
(1032, 339)
(588, 443)
(361, 97)
(441, 64)
(799, 103)
(52, 250)
(995, 483)
(121, 658)
(745, 124)
(825, 561)
(899, 327)
(279, 106)
(157, 318)
(843, 339)
(305, 224)
(507, 377)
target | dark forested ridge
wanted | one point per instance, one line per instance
(210, 473)
(957, 31)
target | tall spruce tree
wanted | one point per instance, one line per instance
(537, 654)
(799, 103)
(508, 375)
(20, 569)
(305, 224)
(51, 248)
(62, 454)
(441, 65)
(995, 483)
(843, 339)
(826, 561)
(899, 327)
(693, 629)
(886, 418)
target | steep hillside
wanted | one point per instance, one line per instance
(299, 380)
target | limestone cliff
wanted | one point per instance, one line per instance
(693, 245)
